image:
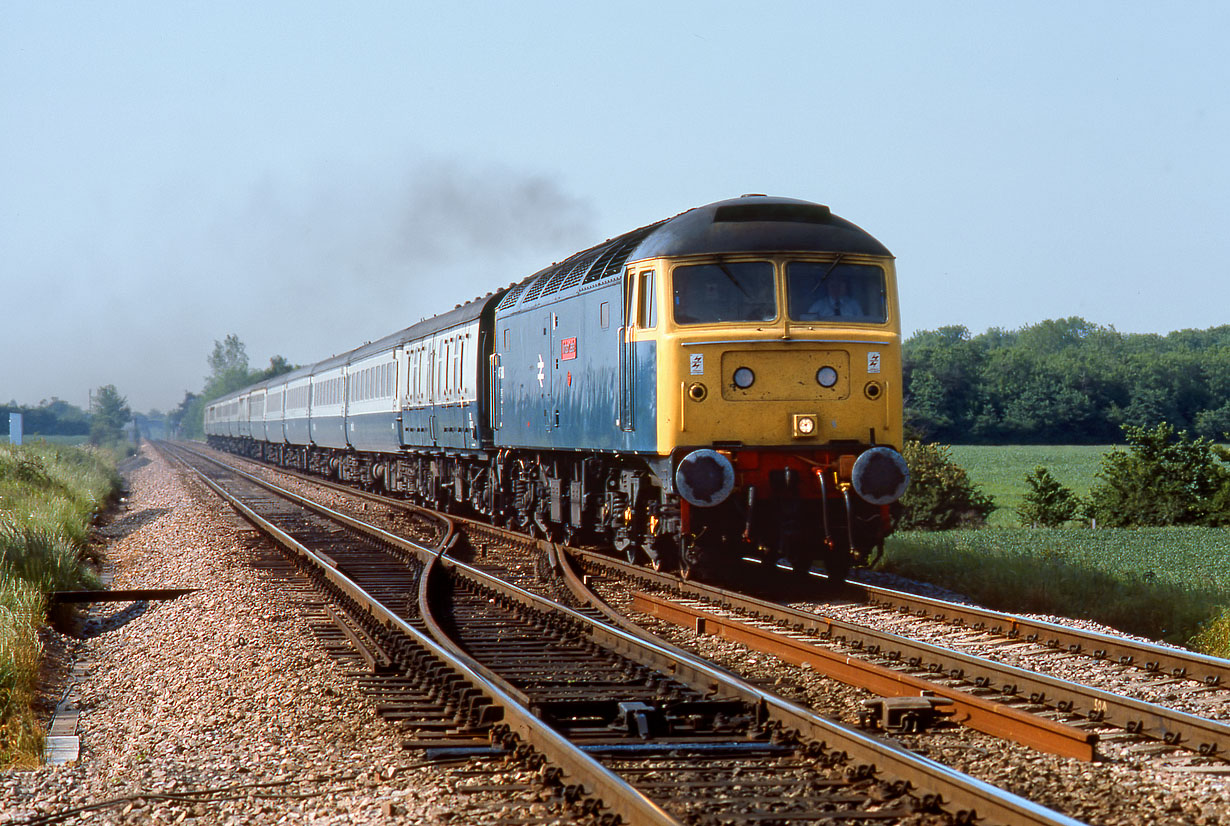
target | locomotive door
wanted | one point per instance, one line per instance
(496, 390)
(546, 370)
(627, 360)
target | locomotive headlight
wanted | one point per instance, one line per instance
(826, 377)
(804, 425)
(744, 378)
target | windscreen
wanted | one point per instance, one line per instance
(710, 293)
(837, 292)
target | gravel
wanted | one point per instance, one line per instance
(222, 698)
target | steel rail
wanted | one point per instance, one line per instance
(975, 712)
(964, 796)
(970, 797)
(1146, 655)
(423, 552)
(1173, 727)
(624, 799)
(615, 792)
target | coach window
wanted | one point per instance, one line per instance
(645, 315)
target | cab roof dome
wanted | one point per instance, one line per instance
(757, 222)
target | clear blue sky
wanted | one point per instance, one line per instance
(312, 175)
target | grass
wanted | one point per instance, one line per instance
(22, 608)
(1000, 470)
(49, 495)
(1167, 583)
(73, 441)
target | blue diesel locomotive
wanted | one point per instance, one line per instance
(723, 383)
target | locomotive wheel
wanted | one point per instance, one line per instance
(663, 560)
(801, 564)
(691, 558)
(837, 564)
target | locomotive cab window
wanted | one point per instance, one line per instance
(712, 293)
(836, 292)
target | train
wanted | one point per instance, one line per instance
(721, 384)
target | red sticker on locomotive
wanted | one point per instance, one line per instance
(568, 349)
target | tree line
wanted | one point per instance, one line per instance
(228, 371)
(104, 422)
(51, 418)
(1064, 381)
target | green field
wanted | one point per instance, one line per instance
(1172, 583)
(1000, 470)
(51, 440)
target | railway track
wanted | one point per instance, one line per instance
(987, 692)
(601, 713)
(893, 664)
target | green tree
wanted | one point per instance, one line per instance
(110, 414)
(228, 367)
(941, 495)
(1214, 424)
(943, 379)
(228, 372)
(1164, 478)
(1047, 502)
(187, 420)
(278, 366)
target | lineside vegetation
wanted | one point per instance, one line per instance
(48, 496)
(1157, 564)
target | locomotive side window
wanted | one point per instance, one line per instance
(646, 318)
(604, 316)
(833, 291)
(709, 293)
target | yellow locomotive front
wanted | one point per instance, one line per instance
(780, 402)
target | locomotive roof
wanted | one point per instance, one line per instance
(755, 223)
(752, 223)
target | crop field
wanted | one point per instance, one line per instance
(1000, 470)
(1160, 582)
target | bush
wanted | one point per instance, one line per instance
(1214, 636)
(1164, 479)
(941, 496)
(1047, 503)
